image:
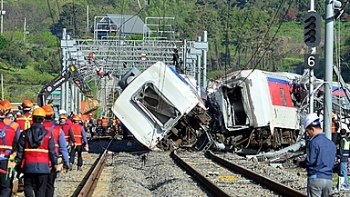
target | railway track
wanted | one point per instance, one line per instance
(223, 178)
(87, 186)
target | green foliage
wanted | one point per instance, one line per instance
(3, 42)
(46, 39)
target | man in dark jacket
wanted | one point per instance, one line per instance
(36, 155)
(321, 154)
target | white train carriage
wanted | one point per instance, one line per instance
(254, 108)
(160, 108)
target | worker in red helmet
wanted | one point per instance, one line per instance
(25, 120)
(61, 147)
(80, 142)
(8, 139)
(36, 154)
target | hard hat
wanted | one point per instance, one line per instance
(39, 112)
(6, 104)
(62, 111)
(27, 105)
(76, 118)
(48, 110)
(310, 119)
(63, 117)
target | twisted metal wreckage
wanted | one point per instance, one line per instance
(252, 109)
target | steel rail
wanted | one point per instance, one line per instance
(273, 185)
(211, 187)
(87, 186)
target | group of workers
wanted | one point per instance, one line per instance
(34, 147)
(322, 155)
(106, 127)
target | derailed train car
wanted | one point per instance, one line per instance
(249, 108)
(254, 108)
(161, 108)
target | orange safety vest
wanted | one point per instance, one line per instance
(24, 121)
(334, 127)
(77, 131)
(104, 122)
(14, 125)
(6, 139)
(56, 132)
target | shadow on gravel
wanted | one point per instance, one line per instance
(99, 145)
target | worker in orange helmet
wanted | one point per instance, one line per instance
(60, 144)
(66, 126)
(80, 142)
(7, 106)
(35, 155)
(8, 139)
(25, 120)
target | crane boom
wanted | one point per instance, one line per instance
(71, 74)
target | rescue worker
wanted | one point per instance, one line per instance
(342, 158)
(8, 141)
(60, 144)
(36, 152)
(99, 127)
(25, 120)
(335, 126)
(91, 124)
(7, 106)
(104, 125)
(80, 142)
(66, 125)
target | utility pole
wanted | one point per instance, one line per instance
(87, 19)
(24, 29)
(2, 13)
(312, 51)
(312, 38)
(2, 87)
(328, 71)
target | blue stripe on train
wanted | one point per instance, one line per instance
(281, 81)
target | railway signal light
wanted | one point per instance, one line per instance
(312, 29)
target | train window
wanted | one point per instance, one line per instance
(152, 101)
(283, 96)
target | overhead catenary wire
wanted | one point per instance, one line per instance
(265, 36)
(268, 46)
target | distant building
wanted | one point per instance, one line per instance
(117, 24)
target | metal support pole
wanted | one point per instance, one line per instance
(199, 67)
(2, 13)
(311, 73)
(2, 87)
(204, 80)
(328, 71)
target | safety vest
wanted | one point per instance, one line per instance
(346, 146)
(12, 124)
(99, 121)
(104, 122)
(334, 127)
(77, 131)
(65, 129)
(24, 121)
(7, 136)
(56, 132)
(39, 154)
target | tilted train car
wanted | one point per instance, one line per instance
(161, 108)
(255, 108)
(249, 108)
